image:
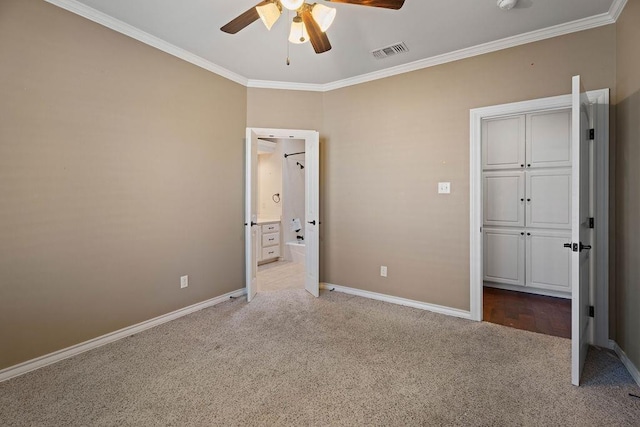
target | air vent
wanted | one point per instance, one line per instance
(394, 49)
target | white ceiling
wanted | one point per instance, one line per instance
(428, 27)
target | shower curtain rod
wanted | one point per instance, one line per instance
(292, 154)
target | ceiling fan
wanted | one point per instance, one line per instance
(311, 20)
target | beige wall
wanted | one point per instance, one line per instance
(389, 142)
(284, 109)
(627, 267)
(121, 169)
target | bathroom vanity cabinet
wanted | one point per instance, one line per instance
(268, 241)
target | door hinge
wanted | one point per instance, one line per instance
(592, 222)
(592, 134)
(592, 311)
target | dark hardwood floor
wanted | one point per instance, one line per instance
(536, 313)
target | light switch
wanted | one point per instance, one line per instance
(444, 187)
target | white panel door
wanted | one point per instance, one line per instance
(251, 235)
(312, 213)
(503, 198)
(549, 139)
(548, 198)
(580, 232)
(548, 263)
(504, 255)
(503, 143)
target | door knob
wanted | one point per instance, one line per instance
(312, 222)
(522, 233)
(528, 200)
(252, 223)
(584, 247)
(522, 200)
(567, 245)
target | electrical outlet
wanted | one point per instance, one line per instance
(383, 270)
(444, 188)
(184, 281)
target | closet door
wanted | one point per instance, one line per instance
(503, 143)
(548, 200)
(549, 139)
(504, 256)
(548, 261)
(503, 198)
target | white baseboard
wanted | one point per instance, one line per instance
(633, 370)
(400, 301)
(48, 359)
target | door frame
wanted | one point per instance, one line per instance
(600, 101)
(309, 136)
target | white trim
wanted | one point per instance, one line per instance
(146, 38)
(268, 84)
(48, 359)
(616, 9)
(283, 133)
(101, 18)
(398, 300)
(493, 46)
(601, 125)
(602, 199)
(633, 370)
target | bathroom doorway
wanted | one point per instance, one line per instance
(281, 214)
(282, 192)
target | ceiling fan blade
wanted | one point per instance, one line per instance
(318, 39)
(388, 4)
(243, 20)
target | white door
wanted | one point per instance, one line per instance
(312, 214)
(503, 143)
(548, 262)
(504, 255)
(503, 201)
(548, 198)
(549, 139)
(580, 236)
(251, 214)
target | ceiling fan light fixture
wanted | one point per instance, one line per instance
(269, 14)
(507, 4)
(292, 4)
(298, 33)
(323, 15)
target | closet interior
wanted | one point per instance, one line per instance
(526, 161)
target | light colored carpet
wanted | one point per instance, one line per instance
(291, 359)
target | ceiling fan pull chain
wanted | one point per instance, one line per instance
(288, 19)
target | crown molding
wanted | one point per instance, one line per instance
(616, 9)
(268, 84)
(87, 12)
(520, 39)
(146, 38)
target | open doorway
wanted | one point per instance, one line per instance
(281, 214)
(282, 211)
(527, 242)
(526, 199)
